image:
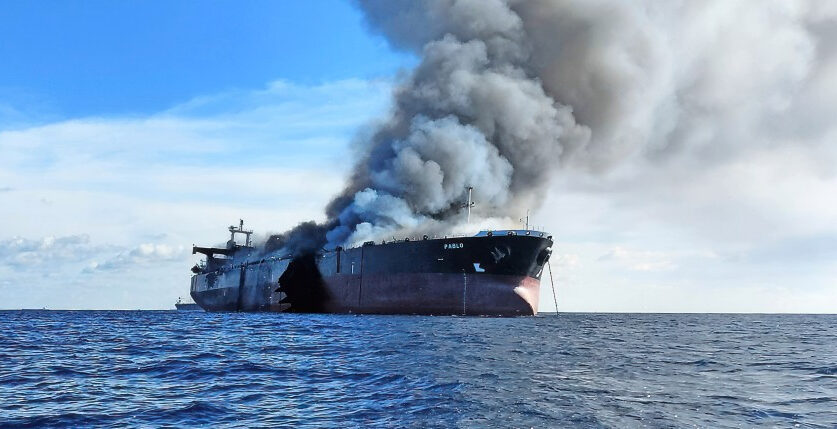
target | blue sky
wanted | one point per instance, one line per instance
(131, 130)
(67, 59)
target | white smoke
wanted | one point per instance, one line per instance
(511, 92)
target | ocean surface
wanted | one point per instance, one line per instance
(187, 369)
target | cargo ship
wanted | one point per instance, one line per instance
(492, 273)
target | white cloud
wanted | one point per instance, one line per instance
(639, 260)
(754, 234)
(124, 197)
(20, 253)
(143, 256)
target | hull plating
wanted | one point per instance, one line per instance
(433, 293)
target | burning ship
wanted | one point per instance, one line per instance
(494, 273)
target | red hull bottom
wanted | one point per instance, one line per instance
(429, 293)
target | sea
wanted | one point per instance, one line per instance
(194, 369)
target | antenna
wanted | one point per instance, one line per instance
(469, 204)
(526, 219)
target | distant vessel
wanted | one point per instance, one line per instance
(492, 273)
(185, 306)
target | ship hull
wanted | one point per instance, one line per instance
(494, 276)
(187, 307)
(433, 294)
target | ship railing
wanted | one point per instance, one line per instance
(247, 263)
(483, 233)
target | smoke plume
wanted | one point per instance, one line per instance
(508, 93)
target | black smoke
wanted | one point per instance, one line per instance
(509, 93)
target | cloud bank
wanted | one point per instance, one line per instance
(100, 211)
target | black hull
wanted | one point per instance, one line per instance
(487, 275)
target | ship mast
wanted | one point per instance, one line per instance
(240, 230)
(469, 204)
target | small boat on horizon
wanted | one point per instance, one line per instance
(186, 306)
